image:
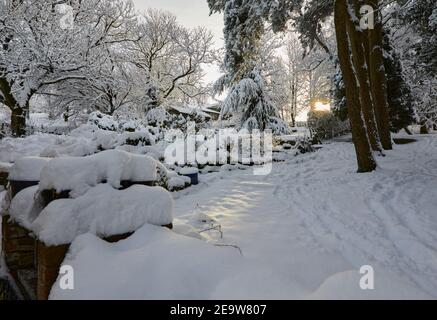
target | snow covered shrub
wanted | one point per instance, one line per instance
(304, 146)
(248, 99)
(137, 138)
(278, 126)
(129, 126)
(103, 121)
(326, 125)
(159, 117)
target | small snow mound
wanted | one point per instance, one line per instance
(346, 285)
(104, 212)
(200, 219)
(24, 207)
(28, 168)
(5, 166)
(176, 183)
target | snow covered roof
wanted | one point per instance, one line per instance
(102, 211)
(112, 166)
(190, 111)
(211, 109)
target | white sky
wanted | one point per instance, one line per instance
(191, 13)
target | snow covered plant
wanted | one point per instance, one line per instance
(220, 147)
(244, 27)
(249, 100)
(171, 56)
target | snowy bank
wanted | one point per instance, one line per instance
(154, 263)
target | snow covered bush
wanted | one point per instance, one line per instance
(141, 138)
(250, 102)
(159, 117)
(103, 121)
(302, 146)
(326, 125)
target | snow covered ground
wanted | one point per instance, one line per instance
(304, 231)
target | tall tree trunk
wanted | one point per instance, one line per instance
(365, 160)
(424, 128)
(378, 78)
(18, 116)
(18, 122)
(357, 40)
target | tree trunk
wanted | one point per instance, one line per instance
(293, 121)
(378, 79)
(18, 122)
(18, 117)
(424, 129)
(365, 160)
(357, 41)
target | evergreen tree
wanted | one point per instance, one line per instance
(398, 91)
(244, 27)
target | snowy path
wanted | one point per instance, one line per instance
(314, 217)
(304, 230)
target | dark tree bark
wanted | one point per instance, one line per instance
(424, 129)
(378, 78)
(357, 40)
(18, 122)
(18, 116)
(365, 160)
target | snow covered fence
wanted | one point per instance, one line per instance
(103, 194)
(17, 245)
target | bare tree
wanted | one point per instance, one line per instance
(171, 57)
(38, 51)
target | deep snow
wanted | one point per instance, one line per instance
(304, 232)
(102, 211)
